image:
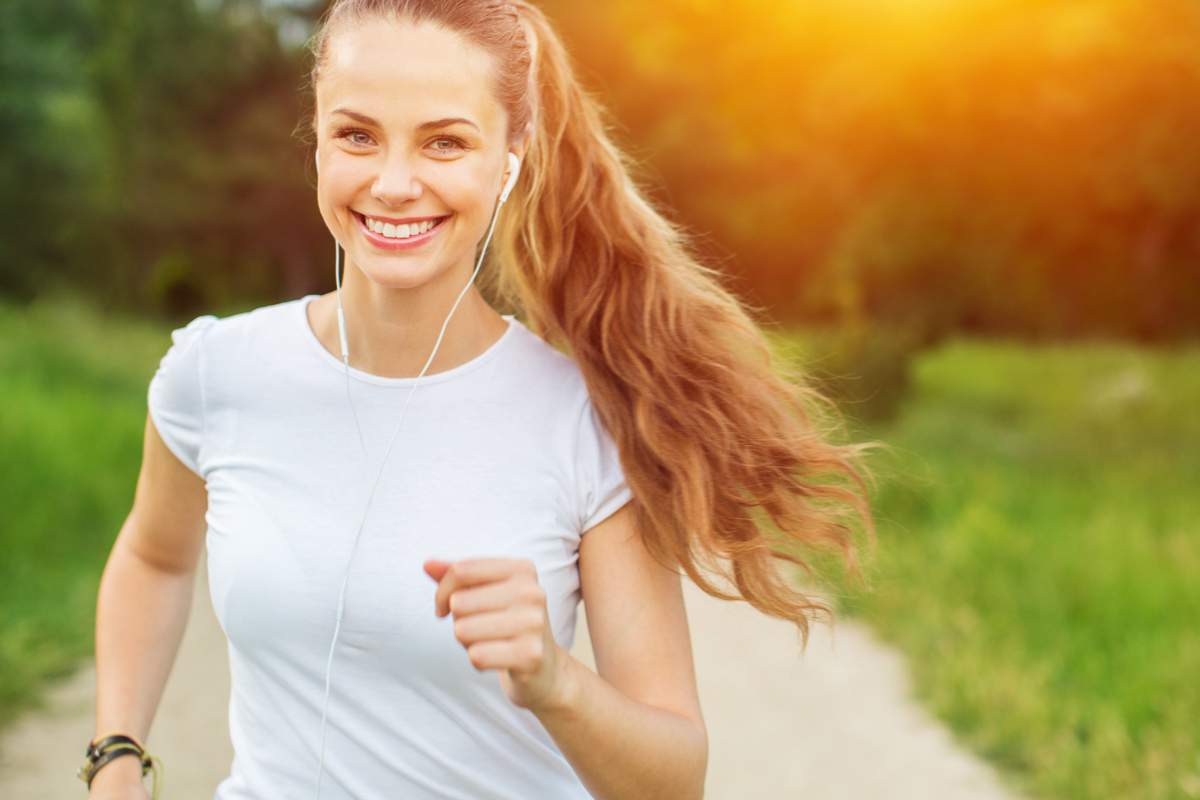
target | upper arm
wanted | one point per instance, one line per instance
(166, 525)
(636, 618)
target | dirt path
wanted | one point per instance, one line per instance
(836, 724)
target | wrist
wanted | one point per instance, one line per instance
(566, 687)
(124, 770)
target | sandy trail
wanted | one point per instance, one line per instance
(835, 724)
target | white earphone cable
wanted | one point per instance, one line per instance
(515, 163)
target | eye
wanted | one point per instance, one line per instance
(458, 143)
(348, 133)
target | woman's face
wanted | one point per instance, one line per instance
(408, 130)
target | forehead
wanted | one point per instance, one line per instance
(397, 72)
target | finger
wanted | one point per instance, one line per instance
(471, 572)
(435, 568)
(488, 597)
(515, 654)
(506, 624)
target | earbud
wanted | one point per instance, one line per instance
(514, 165)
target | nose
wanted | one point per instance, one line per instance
(397, 181)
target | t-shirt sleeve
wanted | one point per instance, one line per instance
(176, 395)
(602, 488)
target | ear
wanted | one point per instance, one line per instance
(516, 160)
(522, 144)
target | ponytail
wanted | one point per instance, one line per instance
(708, 427)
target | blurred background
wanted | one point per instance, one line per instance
(975, 223)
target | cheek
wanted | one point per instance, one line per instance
(337, 192)
(465, 182)
(329, 215)
(337, 186)
(460, 192)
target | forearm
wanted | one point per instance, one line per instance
(621, 748)
(141, 614)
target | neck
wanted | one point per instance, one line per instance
(391, 332)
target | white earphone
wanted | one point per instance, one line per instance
(514, 163)
(514, 166)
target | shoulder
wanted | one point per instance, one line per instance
(216, 351)
(233, 328)
(548, 371)
(557, 380)
(242, 343)
(547, 392)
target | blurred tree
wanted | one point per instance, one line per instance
(206, 186)
(46, 157)
(1002, 166)
(147, 153)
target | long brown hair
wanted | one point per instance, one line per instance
(709, 427)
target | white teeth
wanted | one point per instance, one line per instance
(398, 231)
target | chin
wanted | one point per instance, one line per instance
(406, 272)
(401, 275)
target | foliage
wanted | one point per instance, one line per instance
(1017, 168)
(1011, 167)
(70, 439)
(153, 167)
(1038, 556)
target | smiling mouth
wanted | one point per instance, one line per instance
(400, 233)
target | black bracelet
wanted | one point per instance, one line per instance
(99, 753)
(94, 749)
(105, 750)
(115, 753)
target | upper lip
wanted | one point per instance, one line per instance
(404, 220)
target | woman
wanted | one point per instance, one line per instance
(414, 642)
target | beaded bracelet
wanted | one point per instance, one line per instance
(102, 750)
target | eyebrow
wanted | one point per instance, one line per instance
(436, 123)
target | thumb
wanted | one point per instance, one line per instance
(435, 568)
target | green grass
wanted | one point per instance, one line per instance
(70, 450)
(1039, 560)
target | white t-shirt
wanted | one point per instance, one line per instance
(502, 456)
